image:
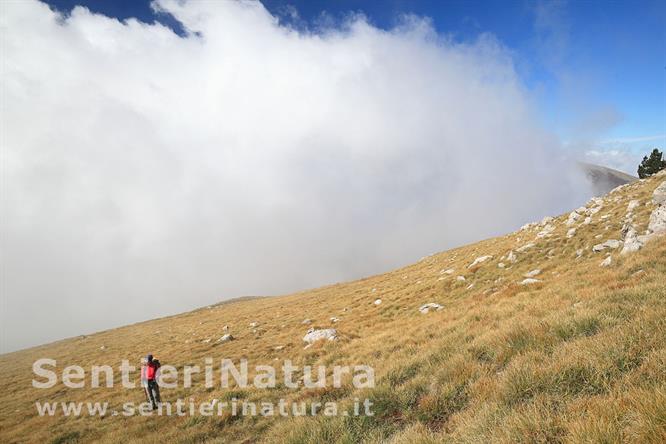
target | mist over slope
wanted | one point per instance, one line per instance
(147, 173)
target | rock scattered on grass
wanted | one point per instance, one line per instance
(632, 241)
(479, 260)
(633, 204)
(425, 308)
(610, 243)
(226, 338)
(525, 247)
(659, 194)
(546, 232)
(313, 335)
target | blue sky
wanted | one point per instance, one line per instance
(597, 69)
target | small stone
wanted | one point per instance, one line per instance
(425, 308)
(533, 273)
(226, 338)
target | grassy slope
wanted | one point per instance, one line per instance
(580, 357)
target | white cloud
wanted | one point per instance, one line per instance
(146, 174)
(625, 153)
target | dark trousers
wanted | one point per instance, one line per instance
(153, 393)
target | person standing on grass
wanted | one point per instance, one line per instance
(149, 374)
(144, 378)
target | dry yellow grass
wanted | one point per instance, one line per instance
(578, 357)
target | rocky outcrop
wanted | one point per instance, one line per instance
(659, 194)
(479, 260)
(632, 241)
(573, 217)
(546, 231)
(609, 244)
(657, 222)
(524, 248)
(313, 335)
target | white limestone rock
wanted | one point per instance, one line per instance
(631, 241)
(609, 244)
(525, 247)
(573, 217)
(657, 222)
(313, 335)
(633, 204)
(546, 231)
(425, 308)
(479, 260)
(531, 274)
(659, 194)
(226, 338)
